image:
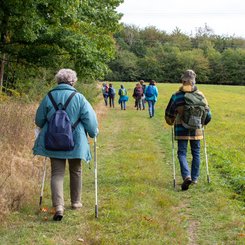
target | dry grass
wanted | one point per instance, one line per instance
(18, 172)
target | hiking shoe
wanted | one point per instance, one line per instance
(76, 205)
(194, 182)
(186, 183)
(58, 213)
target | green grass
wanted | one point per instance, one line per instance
(137, 202)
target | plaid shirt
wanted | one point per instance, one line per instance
(174, 112)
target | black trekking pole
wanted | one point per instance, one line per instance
(95, 177)
(206, 155)
(173, 160)
(43, 180)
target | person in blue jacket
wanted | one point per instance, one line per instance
(78, 109)
(151, 94)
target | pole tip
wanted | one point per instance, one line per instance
(96, 211)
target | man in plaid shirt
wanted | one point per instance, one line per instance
(173, 115)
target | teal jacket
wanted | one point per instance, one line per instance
(78, 108)
(154, 97)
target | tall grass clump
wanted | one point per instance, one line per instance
(226, 135)
(18, 174)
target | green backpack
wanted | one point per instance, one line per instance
(123, 91)
(195, 111)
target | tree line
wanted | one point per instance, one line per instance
(38, 37)
(149, 53)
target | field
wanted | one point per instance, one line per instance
(137, 201)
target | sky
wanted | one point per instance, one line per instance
(224, 17)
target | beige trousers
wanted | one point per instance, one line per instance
(57, 180)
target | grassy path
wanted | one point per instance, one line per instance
(137, 202)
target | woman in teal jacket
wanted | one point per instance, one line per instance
(78, 109)
(151, 94)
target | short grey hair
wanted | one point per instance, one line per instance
(189, 76)
(66, 76)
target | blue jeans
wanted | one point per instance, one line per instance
(105, 99)
(111, 101)
(151, 104)
(123, 105)
(195, 151)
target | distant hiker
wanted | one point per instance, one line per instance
(123, 97)
(151, 94)
(105, 92)
(111, 93)
(65, 118)
(138, 93)
(143, 97)
(188, 119)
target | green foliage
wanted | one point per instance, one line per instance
(233, 61)
(41, 35)
(125, 65)
(163, 57)
(196, 61)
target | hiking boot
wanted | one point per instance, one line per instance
(76, 205)
(194, 182)
(186, 183)
(59, 212)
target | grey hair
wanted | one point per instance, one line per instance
(189, 76)
(66, 76)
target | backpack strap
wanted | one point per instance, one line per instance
(66, 103)
(68, 100)
(75, 124)
(52, 100)
(65, 106)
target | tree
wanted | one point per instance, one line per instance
(152, 36)
(234, 63)
(150, 69)
(217, 72)
(196, 61)
(180, 40)
(51, 34)
(124, 67)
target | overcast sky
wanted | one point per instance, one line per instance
(224, 17)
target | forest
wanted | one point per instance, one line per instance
(153, 54)
(38, 37)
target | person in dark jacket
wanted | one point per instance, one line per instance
(111, 93)
(105, 91)
(78, 110)
(142, 83)
(173, 115)
(138, 94)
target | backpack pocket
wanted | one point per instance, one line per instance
(59, 142)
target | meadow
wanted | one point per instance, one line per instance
(137, 201)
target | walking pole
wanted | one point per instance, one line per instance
(173, 160)
(95, 178)
(43, 180)
(206, 155)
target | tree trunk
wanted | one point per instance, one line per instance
(2, 72)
